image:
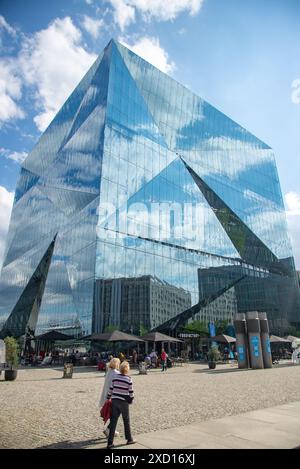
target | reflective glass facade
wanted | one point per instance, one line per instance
(137, 176)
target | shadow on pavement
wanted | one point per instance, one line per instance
(233, 370)
(212, 372)
(79, 444)
(73, 444)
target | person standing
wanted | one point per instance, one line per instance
(122, 394)
(111, 373)
(153, 356)
(134, 357)
(164, 357)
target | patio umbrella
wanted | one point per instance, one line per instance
(115, 336)
(274, 339)
(52, 336)
(49, 338)
(292, 338)
(224, 339)
(159, 337)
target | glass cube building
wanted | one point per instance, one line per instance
(137, 177)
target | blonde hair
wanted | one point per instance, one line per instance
(114, 363)
(124, 368)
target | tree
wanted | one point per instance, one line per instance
(143, 330)
(111, 328)
(221, 326)
(291, 330)
(197, 327)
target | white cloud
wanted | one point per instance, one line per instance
(292, 201)
(168, 9)
(18, 156)
(294, 232)
(43, 120)
(10, 91)
(4, 25)
(54, 61)
(149, 49)
(295, 96)
(124, 10)
(124, 13)
(6, 202)
(93, 27)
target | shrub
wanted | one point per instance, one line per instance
(12, 352)
(213, 354)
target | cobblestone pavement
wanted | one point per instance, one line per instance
(42, 410)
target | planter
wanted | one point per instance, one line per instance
(142, 368)
(10, 375)
(212, 365)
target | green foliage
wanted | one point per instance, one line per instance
(291, 330)
(213, 354)
(221, 326)
(111, 328)
(143, 330)
(12, 351)
(198, 327)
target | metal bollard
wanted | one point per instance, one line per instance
(265, 340)
(241, 340)
(253, 329)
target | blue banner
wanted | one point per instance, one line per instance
(211, 329)
(241, 352)
(255, 346)
(212, 332)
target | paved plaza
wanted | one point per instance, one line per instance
(180, 408)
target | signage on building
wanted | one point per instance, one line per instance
(184, 335)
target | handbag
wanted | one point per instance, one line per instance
(105, 411)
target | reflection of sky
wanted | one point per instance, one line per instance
(78, 164)
(69, 283)
(173, 185)
(69, 286)
(15, 277)
(263, 216)
(228, 157)
(238, 166)
(127, 256)
(126, 106)
(182, 117)
(68, 159)
(150, 121)
(51, 140)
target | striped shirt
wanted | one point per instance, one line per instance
(121, 388)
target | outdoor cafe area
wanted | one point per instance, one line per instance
(55, 349)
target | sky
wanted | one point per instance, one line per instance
(243, 57)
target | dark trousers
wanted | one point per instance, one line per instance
(119, 407)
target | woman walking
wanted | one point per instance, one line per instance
(111, 373)
(121, 394)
